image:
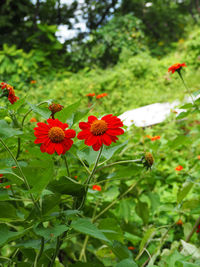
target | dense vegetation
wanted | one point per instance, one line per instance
(133, 203)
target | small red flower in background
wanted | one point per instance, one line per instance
(198, 228)
(96, 187)
(131, 248)
(157, 137)
(7, 186)
(148, 136)
(98, 132)
(33, 81)
(10, 93)
(1, 175)
(101, 95)
(179, 168)
(75, 177)
(54, 137)
(179, 222)
(33, 120)
(176, 67)
(14, 167)
(90, 95)
(198, 157)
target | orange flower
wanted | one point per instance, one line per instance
(14, 167)
(33, 120)
(148, 136)
(179, 168)
(179, 222)
(75, 177)
(54, 107)
(33, 81)
(1, 175)
(198, 157)
(101, 95)
(157, 137)
(90, 95)
(176, 67)
(9, 92)
(131, 248)
(7, 186)
(53, 136)
(96, 187)
(98, 132)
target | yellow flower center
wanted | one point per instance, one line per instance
(99, 127)
(56, 134)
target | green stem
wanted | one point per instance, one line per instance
(120, 162)
(55, 252)
(87, 182)
(193, 230)
(66, 165)
(117, 199)
(29, 111)
(22, 174)
(84, 165)
(187, 89)
(39, 253)
(18, 147)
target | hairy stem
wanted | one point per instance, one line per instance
(66, 165)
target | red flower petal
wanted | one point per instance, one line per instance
(70, 133)
(92, 118)
(84, 125)
(83, 135)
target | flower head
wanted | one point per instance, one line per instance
(55, 108)
(131, 248)
(96, 187)
(7, 186)
(101, 95)
(148, 160)
(90, 95)
(176, 67)
(33, 81)
(9, 92)
(75, 177)
(53, 136)
(198, 228)
(98, 132)
(179, 222)
(33, 120)
(157, 137)
(198, 157)
(179, 168)
(1, 175)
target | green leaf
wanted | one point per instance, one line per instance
(65, 186)
(120, 250)
(87, 154)
(125, 209)
(88, 264)
(184, 191)
(44, 112)
(67, 112)
(18, 104)
(86, 227)
(142, 211)
(50, 232)
(127, 263)
(7, 212)
(149, 233)
(6, 235)
(178, 141)
(111, 224)
(7, 130)
(108, 152)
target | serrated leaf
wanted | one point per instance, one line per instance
(120, 250)
(44, 112)
(67, 112)
(184, 192)
(142, 211)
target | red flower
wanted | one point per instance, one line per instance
(179, 168)
(33, 120)
(198, 228)
(90, 94)
(7, 186)
(33, 81)
(10, 93)
(1, 175)
(176, 67)
(75, 177)
(198, 157)
(53, 136)
(101, 95)
(179, 222)
(131, 248)
(96, 187)
(98, 132)
(157, 137)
